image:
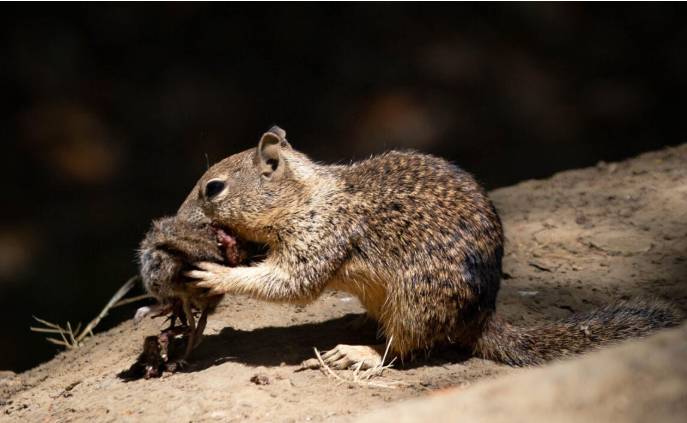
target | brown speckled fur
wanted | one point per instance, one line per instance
(578, 333)
(413, 236)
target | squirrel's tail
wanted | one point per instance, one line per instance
(518, 346)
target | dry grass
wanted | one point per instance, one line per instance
(74, 337)
(363, 378)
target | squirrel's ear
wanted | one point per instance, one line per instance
(269, 159)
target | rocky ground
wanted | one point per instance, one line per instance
(575, 241)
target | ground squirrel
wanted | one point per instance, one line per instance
(413, 236)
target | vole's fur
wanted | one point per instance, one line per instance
(414, 237)
(171, 246)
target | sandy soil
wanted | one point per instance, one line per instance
(614, 382)
(575, 241)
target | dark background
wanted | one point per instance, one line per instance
(109, 113)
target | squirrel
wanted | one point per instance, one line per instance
(415, 238)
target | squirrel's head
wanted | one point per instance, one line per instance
(248, 192)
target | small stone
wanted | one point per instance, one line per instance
(260, 379)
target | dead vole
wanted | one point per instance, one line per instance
(171, 247)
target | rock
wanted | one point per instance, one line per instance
(260, 379)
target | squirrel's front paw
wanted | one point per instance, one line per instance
(211, 276)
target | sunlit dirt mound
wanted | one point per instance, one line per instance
(576, 241)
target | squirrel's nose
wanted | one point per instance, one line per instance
(213, 187)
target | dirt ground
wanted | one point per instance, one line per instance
(575, 241)
(614, 382)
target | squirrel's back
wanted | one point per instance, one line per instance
(433, 240)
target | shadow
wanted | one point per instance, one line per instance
(552, 301)
(440, 355)
(291, 345)
(274, 345)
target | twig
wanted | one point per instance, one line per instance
(73, 338)
(379, 369)
(324, 366)
(116, 297)
(364, 377)
(357, 369)
(48, 324)
(58, 342)
(44, 330)
(130, 300)
(71, 334)
(64, 338)
(386, 351)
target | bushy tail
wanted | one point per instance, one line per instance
(518, 346)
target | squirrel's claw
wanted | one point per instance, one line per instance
(209, 276)
(198, 275)
(210, 266)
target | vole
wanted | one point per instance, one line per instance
(413, 236)
(171, 246)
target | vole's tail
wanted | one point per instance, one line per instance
(519, 346)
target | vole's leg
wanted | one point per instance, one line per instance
(351, 356)
(202, 322)
(172, 322)
(191, 328)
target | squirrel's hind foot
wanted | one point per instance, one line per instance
(363, 357)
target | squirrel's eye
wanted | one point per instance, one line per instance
(213, 188)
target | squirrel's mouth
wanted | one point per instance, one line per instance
(236, 250)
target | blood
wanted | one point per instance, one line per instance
(230, 246)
